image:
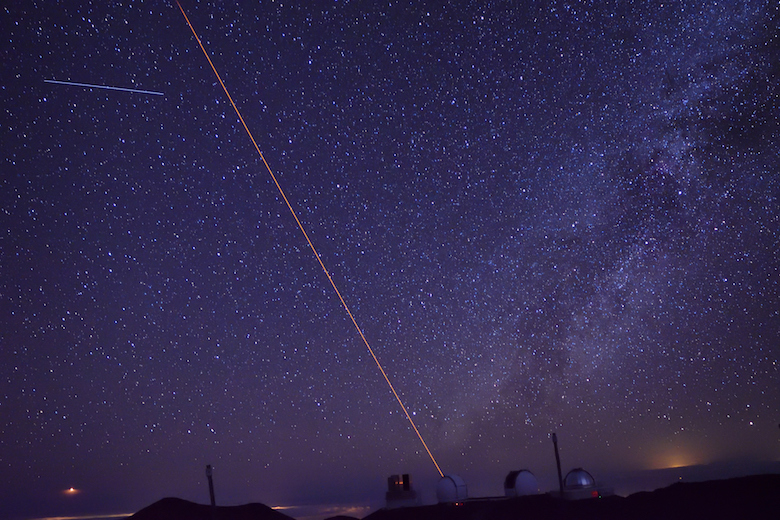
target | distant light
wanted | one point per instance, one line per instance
(679, 458)
(71, 491)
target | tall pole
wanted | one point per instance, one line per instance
(211, 485)
(558, 462)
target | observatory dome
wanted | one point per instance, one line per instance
(450, 489)
(578, 478)
(520, 483)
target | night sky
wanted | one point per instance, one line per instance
(558, 217)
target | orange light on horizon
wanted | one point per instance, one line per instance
(676, 459)
(71, 491)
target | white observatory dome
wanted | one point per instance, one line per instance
(578, 478)
(450, 489)
(520, 483)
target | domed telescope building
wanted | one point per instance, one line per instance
(580, 484)
(520, 483)
(451, 489)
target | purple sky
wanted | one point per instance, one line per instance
(559, 217)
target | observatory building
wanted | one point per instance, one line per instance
(580, 484)
(520, 483)
(400, 492)
(451, 489)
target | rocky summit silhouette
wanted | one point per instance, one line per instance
(755, 497)
(179, 509)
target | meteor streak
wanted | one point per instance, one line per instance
(106, 87)
(311, 245)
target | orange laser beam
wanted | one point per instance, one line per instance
(308, 240)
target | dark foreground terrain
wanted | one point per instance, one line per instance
(754, 497)
(178, 509)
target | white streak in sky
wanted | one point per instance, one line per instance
(89, 85)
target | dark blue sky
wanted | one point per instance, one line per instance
(557, 217)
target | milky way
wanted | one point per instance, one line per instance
(561, 217)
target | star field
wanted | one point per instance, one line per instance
(558, 217)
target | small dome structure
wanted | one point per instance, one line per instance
(578, 478)
(520, 483)
(451, 489)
